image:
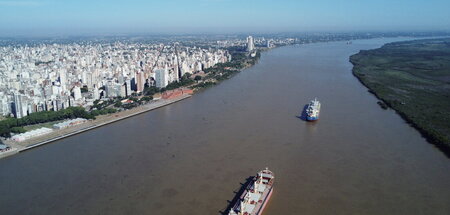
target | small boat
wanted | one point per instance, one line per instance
(256, 195)
(313, 110)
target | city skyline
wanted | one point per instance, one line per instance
(171, 107)
(62, 18)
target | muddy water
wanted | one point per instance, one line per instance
(189, 157)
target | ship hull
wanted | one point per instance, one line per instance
(265, 198)
(311, 118)
(265, 202)
(256, 195)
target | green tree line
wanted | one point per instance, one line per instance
(10, 124)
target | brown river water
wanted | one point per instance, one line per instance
(190, 157)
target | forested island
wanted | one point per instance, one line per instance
(413, 78)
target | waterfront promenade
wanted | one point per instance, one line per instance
(92, 124)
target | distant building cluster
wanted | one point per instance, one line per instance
(250, 42)
(57, 76)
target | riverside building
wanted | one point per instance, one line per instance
(161, 78)
(45, 77)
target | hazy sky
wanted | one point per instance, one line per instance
(219, 16)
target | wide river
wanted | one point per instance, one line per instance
(190, 157)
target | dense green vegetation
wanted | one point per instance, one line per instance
(18, 130)
(413, 78)
(14, 125)
(240, 59)
(84, 89)
(150, 91)
(198, 78)
(135, 102)
(102, 111)
(184, 81)
(205, 84)
(101, 104)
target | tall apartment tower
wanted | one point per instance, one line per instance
(76, 93)
(18, 106)
(5, 106)
(161, 78)
(140, 81)
(63, 79)
(250, 43)
(128, 87)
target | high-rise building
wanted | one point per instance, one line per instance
(4, 105)
(250, 43)
(18, 106)
(96, 93)
(140, 81)
(63, 79)
(55, 105)
(161, 78)
(76, 93)
(184, 68)
(123, 90)
(84, 77)
(177, 74)
(128, 87)
(114, 89)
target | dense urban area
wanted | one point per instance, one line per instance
(46, 82)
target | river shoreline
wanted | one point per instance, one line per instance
(445, 149)
(428, 134)
(18, 147)
(42, 140)
(222, 135)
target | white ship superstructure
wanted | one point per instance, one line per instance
(256, 195)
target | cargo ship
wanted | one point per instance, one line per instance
(313, 110)
(256, 195)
